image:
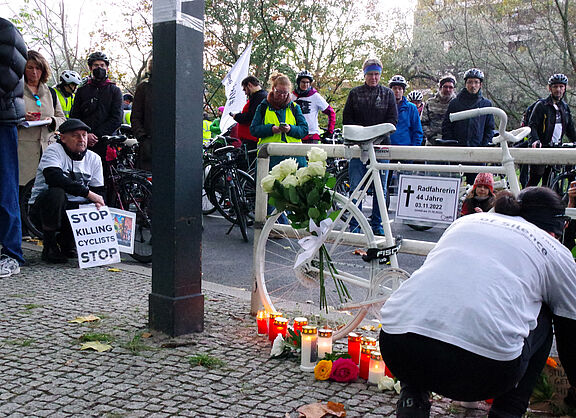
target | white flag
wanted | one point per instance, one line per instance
(235, 97)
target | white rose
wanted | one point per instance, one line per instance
(386, 383)
(267, 183)
(316, 154)
(290, 180)
(277, 346)
(285, 167)
(303, 175)
(316, 168)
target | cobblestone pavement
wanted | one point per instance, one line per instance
(44, 373)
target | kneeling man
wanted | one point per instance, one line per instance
(68, 175)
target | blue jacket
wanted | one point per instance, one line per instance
(408, 128)
(474, 132)
(260, 130)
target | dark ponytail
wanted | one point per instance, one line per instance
(507, 204)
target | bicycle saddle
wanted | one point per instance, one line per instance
(447, 142)
(357, 133)
(224, 150)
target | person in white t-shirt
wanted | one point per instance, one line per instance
(68, 175)
(311, 103)
(475, 321)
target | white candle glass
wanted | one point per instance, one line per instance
(324, 342)
(309, 351)
(377, 369)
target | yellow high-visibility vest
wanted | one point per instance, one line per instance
(65, 102)
(206, 134)
(270, 117)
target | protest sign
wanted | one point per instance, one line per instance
(124, 224)
(432, 199)
(94, 235)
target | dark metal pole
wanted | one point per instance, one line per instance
(176, 304)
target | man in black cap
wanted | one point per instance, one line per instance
(68, 175)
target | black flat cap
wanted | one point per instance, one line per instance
(73, 125)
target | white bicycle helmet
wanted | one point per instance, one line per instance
(474, 73)
(558, 79)
(70, 77)
(398, 80)
(415, 96)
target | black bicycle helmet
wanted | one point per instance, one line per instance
(474, 73)
(558, 79)
(397, 80)
(97, 56)
(304, 74)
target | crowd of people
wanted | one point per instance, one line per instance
(466, 327)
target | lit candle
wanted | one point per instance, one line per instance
(369, 341)
(299, 323)
(271, 317)
(309, 349)
(377, 368)
(280, 326)
(365, 361)
(262, 322)
(324, 342)
(354, 341)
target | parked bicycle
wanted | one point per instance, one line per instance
(366, 263)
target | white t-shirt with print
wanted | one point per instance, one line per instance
(557, 134)
(482, 286)
(87, 171)
(310, 107)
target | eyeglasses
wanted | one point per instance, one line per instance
(282, 93)
(564, 218)
(448, 87)
(38, 102)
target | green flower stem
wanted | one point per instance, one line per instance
(341, 288)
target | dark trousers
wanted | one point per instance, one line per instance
(427, 364)
(10, 222)
(49, 211)
(537, 173)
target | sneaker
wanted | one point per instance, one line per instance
(8, 266)
(413, 404)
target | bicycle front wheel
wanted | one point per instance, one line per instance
(33, 229)
(561, 184)
(238, 203)
(136, 196)
(284, 288)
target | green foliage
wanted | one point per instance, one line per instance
(335, 355)
(206, 360)
(136, 345)
(543, 391)
(96, 337)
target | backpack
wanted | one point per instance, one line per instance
(54, 98)
(528, 112)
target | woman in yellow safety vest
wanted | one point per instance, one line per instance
(278, 119)
(206, 133)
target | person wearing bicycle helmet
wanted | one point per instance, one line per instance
(65, 89)
(408, 129)
(369, 104)
(311, 102)
(416, 97)
(474, 322)
(68, 175)
(550, 121)
(98, 104)
(473, 132)
(435, 108)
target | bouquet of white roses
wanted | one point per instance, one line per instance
(304, 194)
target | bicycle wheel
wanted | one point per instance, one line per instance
(219, 194)
(282, 287)
(239, 208)
(207, 206)
(561, 184)
(33, 229)
(136, 196)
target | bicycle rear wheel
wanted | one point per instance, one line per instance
(561, 184)
(219, 193)
(283, 288)
(207, 206)
(238, 203)
(136, 196)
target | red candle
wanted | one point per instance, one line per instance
(280, 327)
(354, 341)
(299, 323)
(262, 322)
(271, 317)
(369, 341)
(365, 361)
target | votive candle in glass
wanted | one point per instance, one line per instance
(299, 323)
(369, 341)
(280, 326)
(309, 350)
(376, 369)
(262, 322)
(271, 317)
(354, 342)
(365, 361)
(324, 342)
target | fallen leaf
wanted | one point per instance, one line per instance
(552, 363)
(359, 251)
(336, 408)
(113, 269)
(69, 362)
(96, 345)
(319, 410)
(88, 318)
(146, 335)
